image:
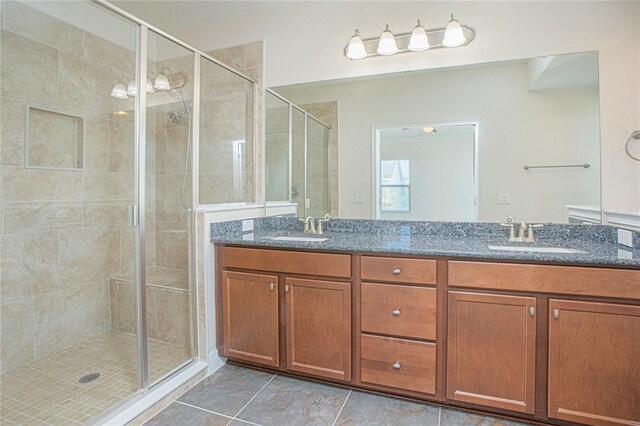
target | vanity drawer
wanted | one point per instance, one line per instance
(398, 363)
(399, 310)
(418, 271)
(294, 262)
(584, 281)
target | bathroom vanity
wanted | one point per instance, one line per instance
(435, 315)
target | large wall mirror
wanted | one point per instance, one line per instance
(477, 143)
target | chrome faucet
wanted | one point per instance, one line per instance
(326, 218)
(309, 225)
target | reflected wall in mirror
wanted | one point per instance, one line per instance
(540, 111)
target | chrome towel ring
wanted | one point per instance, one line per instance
(634, 135)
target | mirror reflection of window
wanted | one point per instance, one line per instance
(395, 189)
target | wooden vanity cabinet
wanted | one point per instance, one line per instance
(491, 350)
(318, 324)
(251, 306)
(594, 362)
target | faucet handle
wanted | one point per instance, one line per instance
(512, 229)
(531, 226)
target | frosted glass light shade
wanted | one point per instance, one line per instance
(162, 82)
(418, 41)
(119, 91)
(148, 87)
(387, 44)
(132, 90)
(453, 35)
(355, 49)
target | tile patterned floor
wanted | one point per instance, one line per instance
(47, 392)
(239, 396)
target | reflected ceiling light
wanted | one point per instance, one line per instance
(119, 91)
(148, 87)
(132, 90)
(387, 45)
(453, 34)
(430, 129)
(121, 113)
(419, 40)
(162, 82)
(355, 49)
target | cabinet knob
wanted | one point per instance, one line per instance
(396, 365)
(396, 271)
(532, 311)
(286, 288)
(556, 313)
(272, 286)
(396, 312)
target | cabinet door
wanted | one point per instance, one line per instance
(250, 303)
(594, 362)
(318, 322)
(491, 350)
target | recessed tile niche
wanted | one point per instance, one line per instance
(54, 139)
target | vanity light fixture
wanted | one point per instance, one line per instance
(162, 82)
(419, 40)
(387, 44)
(119, 91)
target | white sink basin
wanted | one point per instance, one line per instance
(301, 239)
(536, 249)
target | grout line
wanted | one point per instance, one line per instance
(204, 409)
(341, 408)
(254, 396)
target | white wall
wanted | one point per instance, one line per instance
(304, 42)
(441, 176)
(516, 127)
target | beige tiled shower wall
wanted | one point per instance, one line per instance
(227, 107)
(327, 112)
(64, 232)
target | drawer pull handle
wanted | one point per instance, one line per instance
(556, 313)
(272, 286)
(396, 365)
(396, 312)
(396, 271)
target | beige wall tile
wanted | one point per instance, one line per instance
(29, 265)
(110, 54)
(254, 54)
(67, 317)
(176, 142)
(12, 131)
(29, 70)
(40, 185)
(108, 186)
(173, 321)
(88, 255)
(105, 213)
(121, 142)
(97, 144)
(40, 216)
(16, 334)
(36, 25)
(86, 86)
(233, 56)
(228, 107)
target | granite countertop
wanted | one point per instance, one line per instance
(596, 245)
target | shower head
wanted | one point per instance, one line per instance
(176, 117)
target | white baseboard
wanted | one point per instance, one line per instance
(215, 362)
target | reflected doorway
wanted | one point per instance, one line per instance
(426, 172)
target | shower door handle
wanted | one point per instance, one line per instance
(133, 215)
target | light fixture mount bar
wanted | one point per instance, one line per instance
(435, 37)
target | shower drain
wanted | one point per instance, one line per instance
(89, 378)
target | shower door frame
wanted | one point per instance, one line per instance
(136, 404)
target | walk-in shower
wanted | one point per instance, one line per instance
(101, 175)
